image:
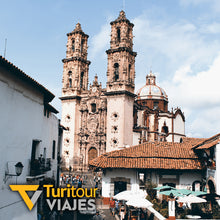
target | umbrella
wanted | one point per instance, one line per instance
(163, 187)
(172, 191)
(210, 196)
(139, 203)
(198, 193)
(184, 191)
(191, 199)
(128, 194)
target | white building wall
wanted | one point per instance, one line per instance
(136, 138)
(22, 121)
(179, 125)
(187, 178)
(127, 173)
(69, 110)
(122, 106)
(217, 171)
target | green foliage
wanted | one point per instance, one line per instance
(150, 190)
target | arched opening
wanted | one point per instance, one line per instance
(82, 45)
(93, 107)
(211, 186)
(197, 185)
(129, 72)
(73, 45)
(70, 79)
(165, 129)
(81, 80)
(118, 35)
(116, 71)
(92, 153)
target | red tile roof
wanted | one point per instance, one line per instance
(208, 143)
(152, 155)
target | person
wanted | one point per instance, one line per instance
(96, 185)
(99, 179)
(122, 212)
(112, 206)
(80, 183)
(97, 216)
(117, 206)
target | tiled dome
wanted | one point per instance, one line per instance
(151, 90)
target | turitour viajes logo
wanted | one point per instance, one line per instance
(61, 199)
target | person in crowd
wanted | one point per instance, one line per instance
(122, 212)
(116, 206)
(97, 216)
(112, 206)
(80, 183)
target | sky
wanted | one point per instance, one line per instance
(179, 40)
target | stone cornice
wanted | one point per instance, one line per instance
(121, 49)
(124, 92)
(78, 32)
(70, 97)
(122, 20)
(76, 58)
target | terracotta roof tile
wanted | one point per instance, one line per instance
(152, 155)
(209, 142)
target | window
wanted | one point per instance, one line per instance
(165, 129)
(118, 35)
(129, 71)
(116, 71)
(70, 79)
(156, 105)
(81, 80)
(70, 83)
(73, 45)
(82, 44)
(53, 149)
(93, 107)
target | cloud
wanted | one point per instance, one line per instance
(179, 43)
(199, 94)
(213, 4)
(213, 28)
(100, 41)
(197, 90)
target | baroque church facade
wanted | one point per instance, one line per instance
(100, 120)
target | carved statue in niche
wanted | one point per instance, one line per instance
(93, 123)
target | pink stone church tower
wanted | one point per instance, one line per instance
(120, 84)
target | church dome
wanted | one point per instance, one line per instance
(151, 90)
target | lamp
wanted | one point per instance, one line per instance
(18, 170)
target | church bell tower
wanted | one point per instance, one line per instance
(121, 58)
(75, 86)
(120, 84)
(76, 65)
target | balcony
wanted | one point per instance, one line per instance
(40, 166)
